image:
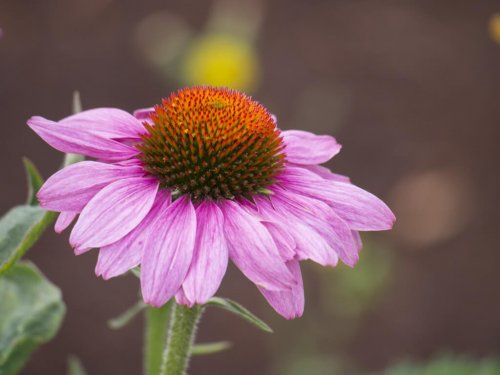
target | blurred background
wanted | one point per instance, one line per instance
(411, 88)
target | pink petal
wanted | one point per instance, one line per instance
(282, 238)
(357, 240)
(121, 256)
(143, 113)
(181, 299)
(64, 220)
(113, 212)
(168, 252)
(277, 228)
(308, 148)
(325, 173)
(110, 123)
(309, 243)
(359, 208)
(320, 217)
(253, 250)
(300, 175)
(312, 245)
(288, 303)
(127, 252)
(134, 162)
(210, 256)
(71, 188)
(67, 138)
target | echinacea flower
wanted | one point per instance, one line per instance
(204, 177)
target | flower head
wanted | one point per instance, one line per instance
(204, 177)
(209, 143)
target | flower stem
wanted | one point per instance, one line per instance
(155, 337)
(180, 339)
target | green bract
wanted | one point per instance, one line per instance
(125, 318)
(239, 310)
(31, 311)
(35, 181)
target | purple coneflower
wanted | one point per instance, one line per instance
(205, 177)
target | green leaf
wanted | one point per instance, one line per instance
(31, 312)
(125, 318)
(239, 310)
(210, 347)
(20, 228)
(75, 366)
(35, 181)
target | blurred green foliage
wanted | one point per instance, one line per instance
(75, 366)
(447, 365)
(315, 365)
(340, 296)
(350, 292)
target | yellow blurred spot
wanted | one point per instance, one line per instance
(495, 27)
(222, 60)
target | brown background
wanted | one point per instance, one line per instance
(410, 88)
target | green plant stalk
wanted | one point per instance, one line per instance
(155, 337)
(180, 339)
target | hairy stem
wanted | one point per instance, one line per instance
(180, 339)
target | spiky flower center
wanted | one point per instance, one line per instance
(212, 143)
